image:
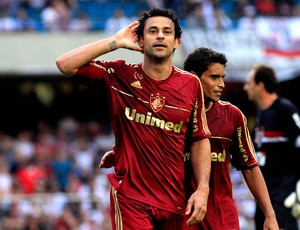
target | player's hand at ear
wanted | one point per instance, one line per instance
(108, 159)
(127, 37)
(197, 205)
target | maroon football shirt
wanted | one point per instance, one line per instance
(150, 121)
(230, 142)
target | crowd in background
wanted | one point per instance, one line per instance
(50, 178)
(105, 15)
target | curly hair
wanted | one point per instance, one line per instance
(169, 13)
(201, 59)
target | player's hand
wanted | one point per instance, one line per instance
(127, 37)
(108, 159)
(197, 204)
(271, 224)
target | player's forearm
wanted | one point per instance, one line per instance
(69, 63)
(201, 162)
(258, 188)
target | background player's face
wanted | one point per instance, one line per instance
(250, 86)
(159, 37)
(213, 82)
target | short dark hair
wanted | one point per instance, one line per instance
(169, 13)
(201, 59)
(266, 74)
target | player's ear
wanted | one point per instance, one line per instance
(141, 43)
(177, 43)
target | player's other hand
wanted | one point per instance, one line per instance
(107, 160)
(197, 204)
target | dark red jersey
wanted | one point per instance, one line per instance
(150, 121)
(230, 142)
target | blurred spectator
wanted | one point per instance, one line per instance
(31, 177)
(24, 146)
(33, 4)
(23, 22)
(239, 9)
(44, 147)
(81, 23)
(67, 127)
(285, 7)
(50, 18)
(195, 17)
(62, 168)
(116, 22)
(156, 3)
(265, 7)
(7, 22)
(6, 149)
(56, 16)
(221, 20)
(84, 157)
(67, 220)
(5, 4)
(247, 21)
(6, 180)
(14, 218)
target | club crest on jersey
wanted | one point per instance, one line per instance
(157, 102)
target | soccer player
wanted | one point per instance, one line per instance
(230, 142)
(154, 105)
(277, 141)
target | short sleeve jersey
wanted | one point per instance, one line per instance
(230, 142)
(150, 120)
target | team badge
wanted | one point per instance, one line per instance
(157, 102)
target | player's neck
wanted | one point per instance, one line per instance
(208, 104)
(267, 100)
(158, 71)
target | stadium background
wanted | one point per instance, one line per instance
(44, 114)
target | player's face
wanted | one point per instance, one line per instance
(250, 86)
(158, 39)
(213, 82)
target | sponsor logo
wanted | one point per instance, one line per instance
(148, 119)
(241, 146)
(220, 157)
(215, 157)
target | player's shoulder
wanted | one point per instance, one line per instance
(185, 73)
(229, 106)
(284, 102)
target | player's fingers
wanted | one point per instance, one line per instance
(196, 217)
(101, 164)
(188, 208)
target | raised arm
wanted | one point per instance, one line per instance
(258, 188)
(126, 38)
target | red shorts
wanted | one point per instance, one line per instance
(129, 214)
